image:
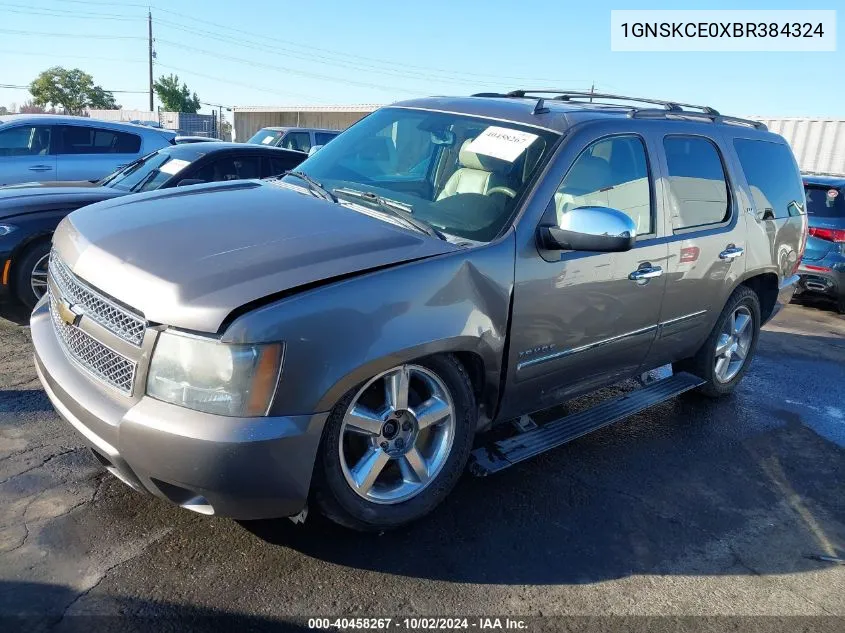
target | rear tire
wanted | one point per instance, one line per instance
(395, 495)
(31, 274)
(733, 339)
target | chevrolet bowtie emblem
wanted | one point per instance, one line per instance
(69, 313)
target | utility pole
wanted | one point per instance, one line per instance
(150, 42)
(592, 90)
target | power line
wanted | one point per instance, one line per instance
(62, 14)
(86, 36)
(131, 92)
(346, 55)
(100, 59)
(238, 83)
(284, 69)
(267, 49)
(332, 56)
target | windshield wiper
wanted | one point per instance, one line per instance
(397, 209)
(313, 185)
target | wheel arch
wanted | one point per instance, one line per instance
(765, 285)
(21, 250)
(470, 353)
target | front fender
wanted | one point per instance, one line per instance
(340, 334)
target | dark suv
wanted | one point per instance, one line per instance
(823, 267)
(446, 265)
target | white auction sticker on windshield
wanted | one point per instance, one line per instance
(267, 140)
(501, 143)
(173, 166)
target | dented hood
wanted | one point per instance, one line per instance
(188, 256)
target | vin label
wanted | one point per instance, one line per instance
(723, 30)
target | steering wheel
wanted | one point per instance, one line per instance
(510, 193)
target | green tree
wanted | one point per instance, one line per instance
(102, 100)
(72, 90)
(176, 98)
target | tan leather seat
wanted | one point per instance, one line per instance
(477, 174)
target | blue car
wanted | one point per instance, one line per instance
(823, 266)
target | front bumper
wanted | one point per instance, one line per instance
(244, 468)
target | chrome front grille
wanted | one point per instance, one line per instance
(117, 319)
(94, 357)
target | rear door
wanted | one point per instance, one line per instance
(89, 153)
(707, 238)
(27, 153)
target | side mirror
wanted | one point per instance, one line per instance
(314, 149)
(590, 229)
(190, 181)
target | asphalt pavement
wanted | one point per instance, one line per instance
(694, 508)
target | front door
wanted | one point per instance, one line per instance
(582, 320)
(27, 154)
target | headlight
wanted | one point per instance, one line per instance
(206, 375)
(5, 229)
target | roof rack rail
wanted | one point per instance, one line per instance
(569, 95)
(669, 109)
(656, 113)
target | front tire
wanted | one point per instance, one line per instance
(395, 446)
(726, 354)
(31, 274)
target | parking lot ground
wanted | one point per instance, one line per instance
(692, 508)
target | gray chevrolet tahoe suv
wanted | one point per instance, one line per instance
(343, 336)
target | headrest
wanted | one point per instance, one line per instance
(471, 160)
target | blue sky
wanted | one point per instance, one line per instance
(256, 52)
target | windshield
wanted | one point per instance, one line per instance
(266, 136)
(148, 173)
(825, 202)
(462, 175)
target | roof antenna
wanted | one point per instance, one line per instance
(540, 107)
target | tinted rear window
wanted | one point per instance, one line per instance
(772, 176)
(825, 202)
(80, 139)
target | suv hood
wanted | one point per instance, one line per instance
(187, 257)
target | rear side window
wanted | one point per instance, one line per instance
(698, 189)
(300, 141)
(78, 139)
(825, 202)
(322, 138)
(772, 176)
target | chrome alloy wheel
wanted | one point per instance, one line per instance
(733, 344)
(38, 278)
(397, 434)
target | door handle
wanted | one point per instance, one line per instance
(731, 252)
(645, 273)
(41, 168)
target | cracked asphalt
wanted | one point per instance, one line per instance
(692, 508)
